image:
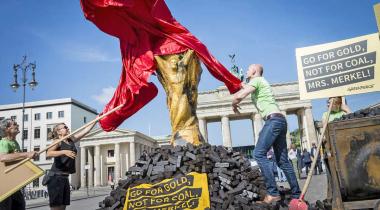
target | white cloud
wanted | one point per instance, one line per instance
(87, 54)
(105, 95)
(76, 51)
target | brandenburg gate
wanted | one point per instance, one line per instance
(215, 106)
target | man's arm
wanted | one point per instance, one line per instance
(17, 156)
(239, 96)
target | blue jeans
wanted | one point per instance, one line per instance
(274, 134)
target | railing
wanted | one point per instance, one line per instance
(34, 194)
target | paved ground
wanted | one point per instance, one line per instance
(79, 200)
(317, 189)
(84, 204)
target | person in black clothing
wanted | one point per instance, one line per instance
(318, 165)
(306, 158)
(144, 155)
(64, 155)
(300, 164)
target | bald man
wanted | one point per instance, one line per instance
(273, 134)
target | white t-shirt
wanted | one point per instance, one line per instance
(292, 154)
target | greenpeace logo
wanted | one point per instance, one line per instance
(361, 87)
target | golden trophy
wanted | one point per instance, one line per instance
(179, 74)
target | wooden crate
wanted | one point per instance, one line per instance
(353, 150)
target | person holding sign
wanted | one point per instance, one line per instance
(10, 151)
(338, 109)
(272, 134)
(64, 154)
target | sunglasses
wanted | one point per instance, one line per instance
(12, 124)
(64, 127)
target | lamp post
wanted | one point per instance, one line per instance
(24, 67)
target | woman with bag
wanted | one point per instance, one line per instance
(64, 154)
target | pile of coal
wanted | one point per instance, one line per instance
(321, 205)
(367, 112)
(233, 183)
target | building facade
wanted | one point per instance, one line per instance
(106, 156)
(39, 119)
(162, 140)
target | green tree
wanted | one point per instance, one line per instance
(295, 138)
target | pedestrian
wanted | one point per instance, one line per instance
(273, 166)
(112, 184)
(278, 173)
(292, 154)
(64, 154)
(281, 175)
(306, 158)
(144, 155)
(10, 151)
(299, 161)
(318, 164)
(273, 132)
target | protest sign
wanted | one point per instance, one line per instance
(16, 179)
(185, 192)
(340, 68)
(377, 14)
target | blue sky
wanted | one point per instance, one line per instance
(75, 59)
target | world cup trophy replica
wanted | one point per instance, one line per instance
(180, 74)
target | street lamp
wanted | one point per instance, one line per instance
(24, 67)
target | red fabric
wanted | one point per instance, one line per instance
(145, 28)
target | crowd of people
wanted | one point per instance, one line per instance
(302, 159)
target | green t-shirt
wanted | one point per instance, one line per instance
(333, 115)
(263, 97)
(9, 146)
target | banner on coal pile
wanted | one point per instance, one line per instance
(339, 68)
(185, 192)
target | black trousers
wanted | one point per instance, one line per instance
(308, 166)
(318, 166)
(13, 202)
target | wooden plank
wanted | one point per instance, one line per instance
(377, 14)
(354, 123)
(337, 203)
(361, 204)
